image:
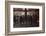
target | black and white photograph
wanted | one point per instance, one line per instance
(25, 17)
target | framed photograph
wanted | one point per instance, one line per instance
(24, 17)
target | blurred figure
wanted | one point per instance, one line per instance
(34, 20)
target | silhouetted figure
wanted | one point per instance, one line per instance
(34, 21)
(29, 20)
(20, 19)
(25, 17)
